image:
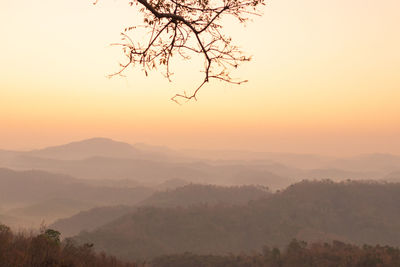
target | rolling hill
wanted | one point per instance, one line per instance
(356, 212)
(32, 196)
(185, 196)
(27, 187)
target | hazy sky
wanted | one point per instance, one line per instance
(325, 78)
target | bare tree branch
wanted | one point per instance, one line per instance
(184, 27)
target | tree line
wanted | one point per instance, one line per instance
(46, 249)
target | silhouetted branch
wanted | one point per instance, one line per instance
(178, 27)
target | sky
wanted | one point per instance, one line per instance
(324, 79)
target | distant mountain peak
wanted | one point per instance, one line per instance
(98, 146)
(96, 140)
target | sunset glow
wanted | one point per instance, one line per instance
(325, 78)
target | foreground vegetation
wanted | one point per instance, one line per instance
(46, 249)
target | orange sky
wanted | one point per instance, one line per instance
(324, 79)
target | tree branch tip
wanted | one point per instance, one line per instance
(177, 27)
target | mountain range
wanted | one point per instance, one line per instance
(105, 159)
(60, 181)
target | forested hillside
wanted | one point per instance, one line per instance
(194, 194)
(356, 212)
(189, 195)
(89, 219)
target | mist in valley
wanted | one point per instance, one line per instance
(141, 201)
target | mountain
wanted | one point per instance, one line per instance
(101, 168)
(32, 196)
(171, 184)
(7, 156)
(89, 220)
(357, 212)
(27, 187)
(164, 151)
(195, 194)
(49, 210)
(188, 195)
(302, 161)
(88, 148)
(106, 159)
(153, 172)
(377, 162)
(338, 174)
(118, 164)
